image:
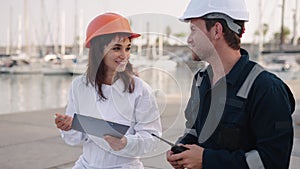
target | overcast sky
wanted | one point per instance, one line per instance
(43, 22)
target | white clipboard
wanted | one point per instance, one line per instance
(98, 127)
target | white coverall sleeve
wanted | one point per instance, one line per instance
(147, 121)
(72, 137)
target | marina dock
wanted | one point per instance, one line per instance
(30, 140)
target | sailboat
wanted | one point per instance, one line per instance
(80, 65)
(55, 64)
(20, 62)
(59, 63)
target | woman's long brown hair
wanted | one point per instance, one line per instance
(96, 69)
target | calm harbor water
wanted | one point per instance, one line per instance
(27, 92)
(21, 93)
(32, 92)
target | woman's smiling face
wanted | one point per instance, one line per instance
(117, 53)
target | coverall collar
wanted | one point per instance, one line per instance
(234, 74)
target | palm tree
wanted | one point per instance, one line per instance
(286, 33)
(265, 31)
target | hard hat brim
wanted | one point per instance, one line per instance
(134, 35)
(131, 36)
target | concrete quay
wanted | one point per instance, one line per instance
(30, 140)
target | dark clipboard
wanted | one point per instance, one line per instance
(98, 127)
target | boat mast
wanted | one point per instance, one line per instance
(19, 44)
(63, 41)
(57, 27)
(282, 26)
(26, 27)
(260, 29)
(9, 33)
(295, 36)
(76, 36)
(8, 41)
(42, 29)
(81, 33)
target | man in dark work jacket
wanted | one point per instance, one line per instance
(238, 115)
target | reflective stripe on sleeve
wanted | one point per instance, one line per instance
(245, 89)
(253, 160)
(199, 80)
(190, 131)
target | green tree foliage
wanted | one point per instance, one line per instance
(180, 34)
(286, 33)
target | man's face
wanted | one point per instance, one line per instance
(199, 40)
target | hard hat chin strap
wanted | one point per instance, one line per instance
(230, 22)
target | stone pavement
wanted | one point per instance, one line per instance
(29, 140)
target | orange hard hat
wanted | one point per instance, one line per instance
(108, 23)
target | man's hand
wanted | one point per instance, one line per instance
(174, 163)
(116, 143)
(191, 159)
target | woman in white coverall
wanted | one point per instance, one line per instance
(109, 90)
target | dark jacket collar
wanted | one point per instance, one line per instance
(236, 70)
(234, 73)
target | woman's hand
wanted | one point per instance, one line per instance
(116, 144)
(63, 122)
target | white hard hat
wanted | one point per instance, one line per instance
(235, 9)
